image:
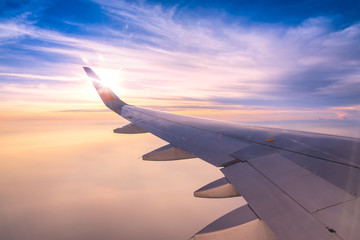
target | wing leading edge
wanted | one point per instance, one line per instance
(298, 185)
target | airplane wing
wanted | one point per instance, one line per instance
(298, 185)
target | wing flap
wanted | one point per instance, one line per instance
(285, 217)
(343, 218)
(309, 190)
(341, 175)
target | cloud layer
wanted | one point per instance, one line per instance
(152, 50)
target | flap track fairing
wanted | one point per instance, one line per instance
(241, 223)
(167, 153)
(130, 129)
(220, 188)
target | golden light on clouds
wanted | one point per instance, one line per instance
(87, 178)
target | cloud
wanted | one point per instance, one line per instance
(157, 54)
(85, 110)
(40, 77)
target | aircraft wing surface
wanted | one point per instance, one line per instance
(298, 185)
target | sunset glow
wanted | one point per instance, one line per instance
(66, 175)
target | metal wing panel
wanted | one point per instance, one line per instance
(181, 131)
(177, 131)
(343, 218)
(254, 150)
(309, 190)
(337, 149)
(216, 147)
(167, 130)
(213, 148)
(343, 176)
(285, 217)
(347, 150)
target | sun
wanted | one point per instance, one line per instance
(110, 78)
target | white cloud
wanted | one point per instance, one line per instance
(164, 56)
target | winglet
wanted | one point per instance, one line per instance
(108, 97)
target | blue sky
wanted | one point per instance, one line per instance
(264, 54)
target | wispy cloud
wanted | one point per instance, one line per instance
(40, 77)
(153, 53)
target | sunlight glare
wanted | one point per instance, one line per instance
(110, 78)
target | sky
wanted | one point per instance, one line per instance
(287, 64)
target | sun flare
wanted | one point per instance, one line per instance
(110, 78)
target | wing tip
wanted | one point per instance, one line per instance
(91, 73)
(108, 97)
